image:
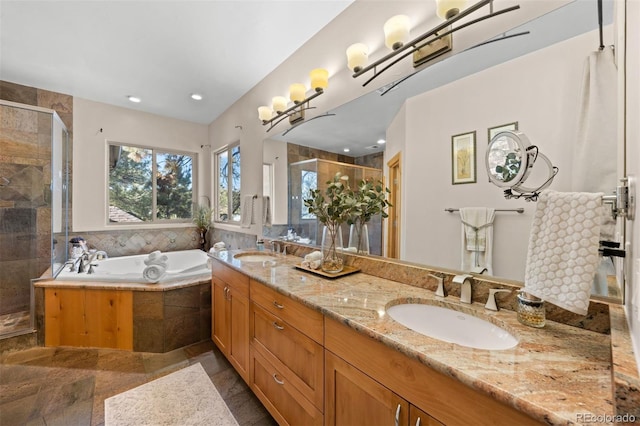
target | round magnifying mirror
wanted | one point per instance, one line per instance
(507, 159)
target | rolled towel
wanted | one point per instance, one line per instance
(154, 254)
(219, 246)
(157, 260)
(311, 264)
(314, 255)
(154, 273)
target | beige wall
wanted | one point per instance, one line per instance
(632, 304)
(544, 102)
(128, 126)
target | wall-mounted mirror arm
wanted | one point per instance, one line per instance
(509, 161)
(623, 201)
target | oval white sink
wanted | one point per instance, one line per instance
(254, 256)
(452, 326)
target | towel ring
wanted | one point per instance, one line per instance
(509, 161)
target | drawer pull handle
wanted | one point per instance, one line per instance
(277, 305)
(278, 381)
(277, 326)
(418, 422)
(398, 415)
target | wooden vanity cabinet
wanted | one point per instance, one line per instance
(287, 357)
(355, 398)
(399, 376)
(230, 316)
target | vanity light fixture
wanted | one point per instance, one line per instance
(134, 99)
(298, 95)
(425, 47)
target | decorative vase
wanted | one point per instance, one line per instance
(359, 237)
(332, 257)
(203, 239)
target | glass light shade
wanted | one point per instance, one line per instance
(319, 79)
(446, 9)
(357, 56)
(396, 31)
(279, 103)
(297, 92)
(264, 113)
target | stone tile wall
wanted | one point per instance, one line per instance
(164, 321)
(129, 242)
(25, 210)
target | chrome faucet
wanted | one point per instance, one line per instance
(86, 261)
(491, 300)
(440, 291)
(465, 287)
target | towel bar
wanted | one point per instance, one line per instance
(518, 210)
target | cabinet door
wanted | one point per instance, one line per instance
(221, 318)
(238, 307)
(417, 417)
(98, 318)
(353, 398)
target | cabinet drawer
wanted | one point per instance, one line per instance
(298, 356)
(237, 280)
(305, 319)
(279, 396)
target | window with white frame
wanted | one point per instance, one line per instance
(227, 184)
(148, 185)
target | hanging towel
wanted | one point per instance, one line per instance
(266, 211)
(594, 167)
(563, 249)
(246, 218)
(477, 238)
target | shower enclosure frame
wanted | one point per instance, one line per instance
(56, 195)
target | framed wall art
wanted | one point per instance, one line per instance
(492, 131)
(463, 158)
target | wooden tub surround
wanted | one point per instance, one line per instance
(130, 316)
(323, 352)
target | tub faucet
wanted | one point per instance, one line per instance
(465, 287)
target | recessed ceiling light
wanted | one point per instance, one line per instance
(196, 96)
(346, 150)
(381, 141)
(134, 99)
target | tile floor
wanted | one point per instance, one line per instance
(10, 323)
(68, 386)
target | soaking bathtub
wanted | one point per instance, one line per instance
(132, 314)
(180, 266)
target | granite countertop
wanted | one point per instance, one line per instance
(559, 374)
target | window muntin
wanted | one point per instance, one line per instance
(134, 197)
(227, 165)
(309, 181)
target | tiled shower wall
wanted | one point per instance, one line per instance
(25, 209)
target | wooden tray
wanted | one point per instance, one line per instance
(346, 271)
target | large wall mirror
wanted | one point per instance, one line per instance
(533, 82)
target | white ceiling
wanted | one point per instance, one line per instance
(158, 50)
